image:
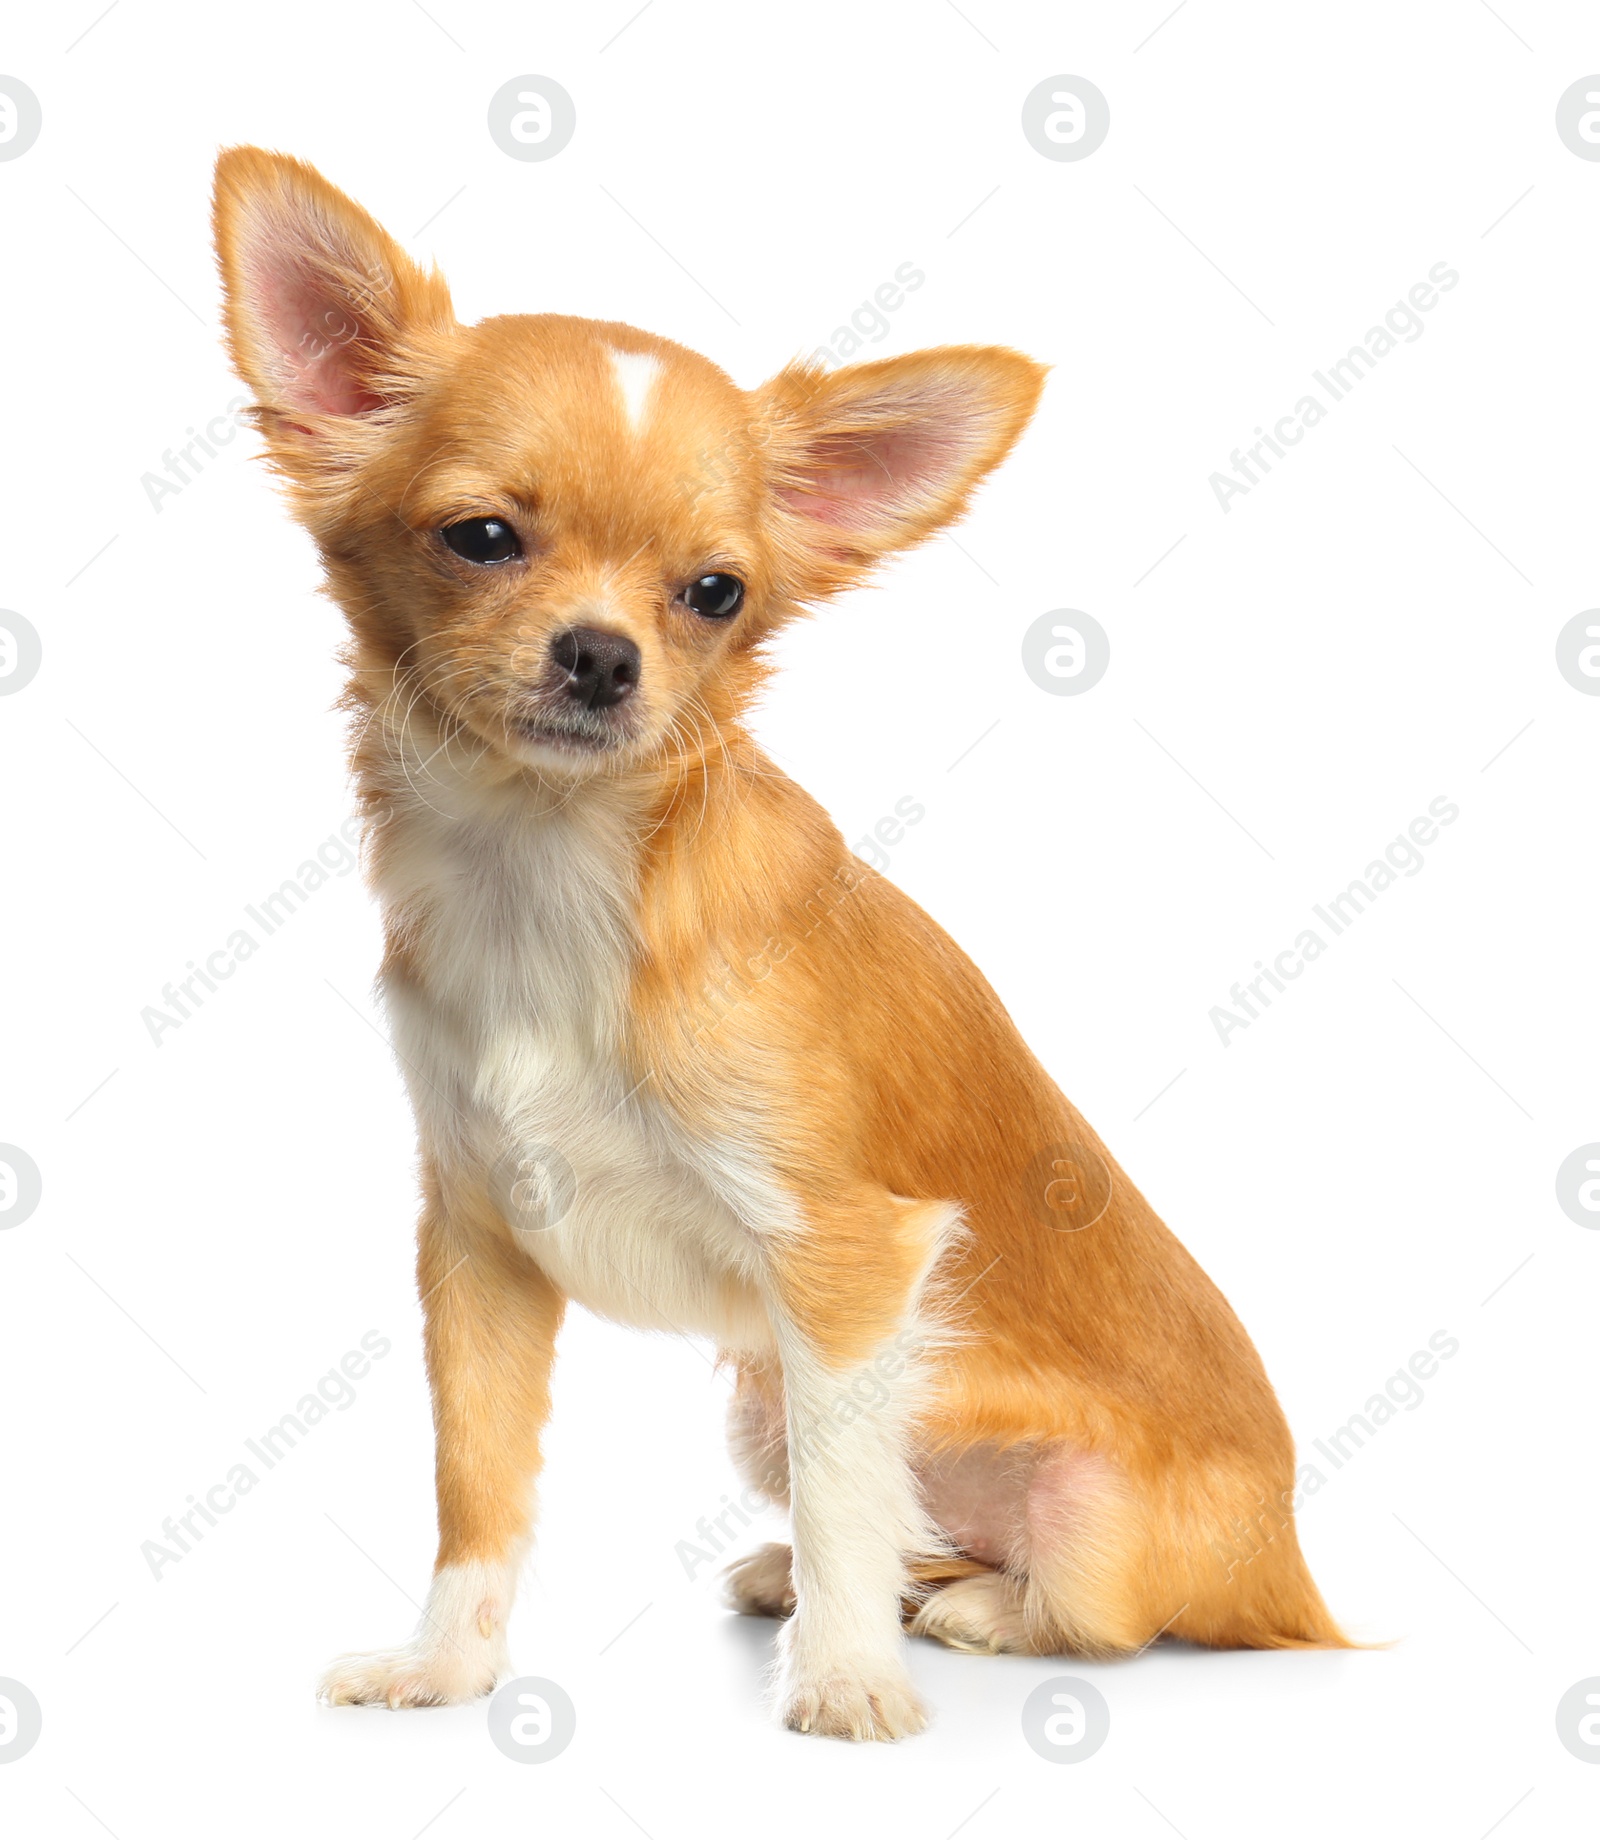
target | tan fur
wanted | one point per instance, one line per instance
(492, 1318)
(801, 1119)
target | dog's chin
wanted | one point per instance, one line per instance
(573, 752)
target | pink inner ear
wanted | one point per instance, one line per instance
(317, 336)
(854, 481)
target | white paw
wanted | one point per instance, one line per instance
(431, 1674)
(761, 1583)
(861, 1705)
(458, 1654)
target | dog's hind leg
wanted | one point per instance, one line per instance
(762, 1582)
(1114, 1560)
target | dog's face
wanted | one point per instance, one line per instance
(567, 525)
(568, 535)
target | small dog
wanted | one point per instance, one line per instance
(674, 1051)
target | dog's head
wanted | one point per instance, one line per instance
(568, 535)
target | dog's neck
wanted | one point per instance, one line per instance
(553, 893)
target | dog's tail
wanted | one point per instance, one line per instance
(1270, 1600)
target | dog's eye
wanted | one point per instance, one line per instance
(714, 597)
(484, 540)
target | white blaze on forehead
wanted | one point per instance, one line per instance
(636, 375)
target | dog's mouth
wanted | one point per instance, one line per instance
(581, 738)
(552, 730)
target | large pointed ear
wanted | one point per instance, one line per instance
(328, 319)
(873, 458)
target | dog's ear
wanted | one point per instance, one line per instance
(328, 319)
(873, 458)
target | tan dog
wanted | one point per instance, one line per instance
(674, 1052)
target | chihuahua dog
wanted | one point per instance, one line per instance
(674, 1051)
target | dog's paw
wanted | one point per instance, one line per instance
(417, 1675)
(458, 1653)
(761, 1583)
(860, 1706)
(977, 1616)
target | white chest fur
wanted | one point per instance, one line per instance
(518, 915)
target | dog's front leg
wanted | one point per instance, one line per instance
(853, 1350)
(491, 1320)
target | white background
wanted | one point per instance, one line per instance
(1365, 631)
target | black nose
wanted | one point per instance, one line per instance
(602, 668)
